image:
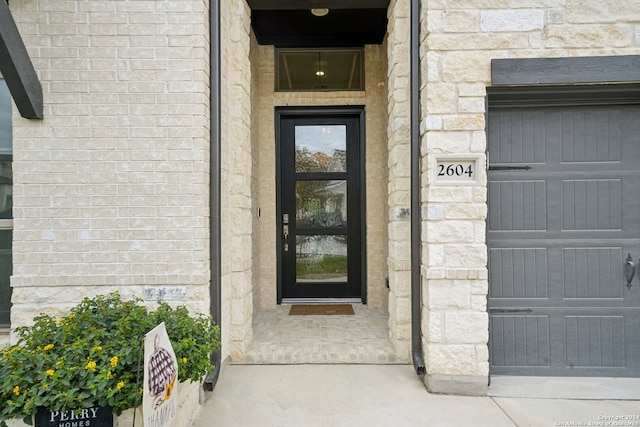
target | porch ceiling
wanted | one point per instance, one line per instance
(289, 23)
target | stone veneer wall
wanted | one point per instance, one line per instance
(265, 101)
(111, 188)
(458, 41)
(237, 160)
(399, 177)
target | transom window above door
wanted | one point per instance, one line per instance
(319, 70)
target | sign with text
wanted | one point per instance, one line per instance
(84, 417)
(457, 170)
(159, 401)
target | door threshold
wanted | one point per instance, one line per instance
(321, 301)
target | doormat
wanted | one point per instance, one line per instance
(321, 310)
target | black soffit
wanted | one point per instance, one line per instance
(290, 23)
(17, 69)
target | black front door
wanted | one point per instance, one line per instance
(320, 207)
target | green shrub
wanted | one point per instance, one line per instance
(91, 357)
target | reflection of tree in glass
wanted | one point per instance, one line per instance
(306, 161)
(312, 196)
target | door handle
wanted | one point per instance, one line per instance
(285, 231)
(629, 270)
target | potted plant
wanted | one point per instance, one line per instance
(90, 358)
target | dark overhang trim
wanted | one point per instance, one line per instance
(563, 95)
(309, 4)
(591, 69)
(17, 69)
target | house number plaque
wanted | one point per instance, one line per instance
(456, 170)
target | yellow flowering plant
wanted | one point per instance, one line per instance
(90, 357)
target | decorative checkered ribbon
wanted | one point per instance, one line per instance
(161, 370)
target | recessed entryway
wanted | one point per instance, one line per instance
(362, 338)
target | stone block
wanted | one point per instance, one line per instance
(555, 16)
(472, 90)
(464, 122)
(467, 256)
(448, 194)
(448, 359)
(441, 98)
(453, 21)
(432, 327)
(399, 230)
(479, 142)
(605, 11)
(435, 212)
(471, 105)
(448, 142)
(449, 295)
(241, 310)
(450, 231)
(434, 255)
(466, 327)
(431, 122)
(400, 283)
(589, 36)
(465, 211)
(509, 20)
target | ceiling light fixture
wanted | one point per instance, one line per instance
(320, 65)
(320, 12)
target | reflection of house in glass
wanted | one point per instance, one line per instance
(323, 203)
(337, 202)
(321, 258)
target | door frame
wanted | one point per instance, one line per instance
(357, 111)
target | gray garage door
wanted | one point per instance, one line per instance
(564, 216)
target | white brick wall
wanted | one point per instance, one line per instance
(110, 189)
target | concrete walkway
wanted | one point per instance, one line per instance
(382, 395)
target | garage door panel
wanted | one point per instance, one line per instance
(519, 341)
(518, 273)
(595, 341)
(520, 205)
(592, 204)
(593, 272)
(591, 136)
(518, 137)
